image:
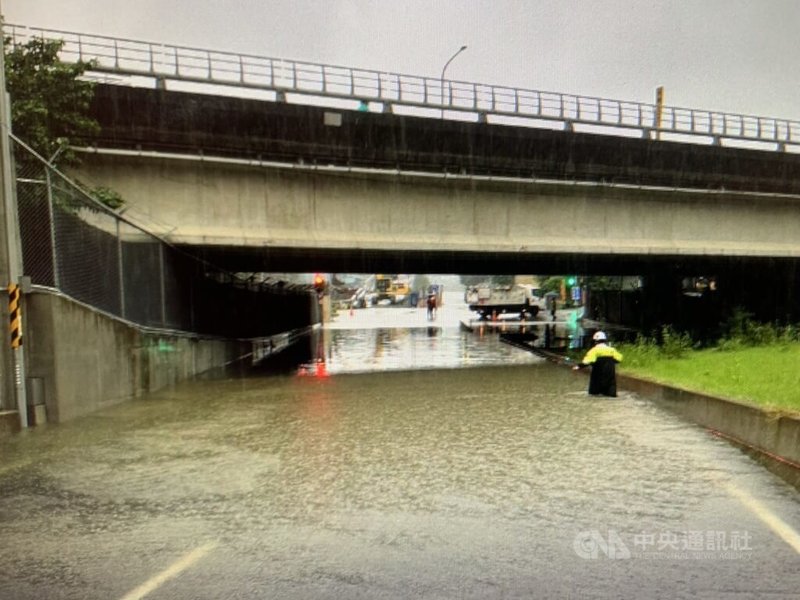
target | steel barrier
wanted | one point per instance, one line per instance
(130, 58)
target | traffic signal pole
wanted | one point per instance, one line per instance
(10, 260)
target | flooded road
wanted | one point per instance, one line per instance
(400, 469)
(403, 338)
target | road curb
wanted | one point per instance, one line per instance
(770, 436)
(773, 437)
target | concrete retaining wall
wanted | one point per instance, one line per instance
(88, 361)
(771, 433)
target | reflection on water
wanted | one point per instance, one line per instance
(393, 349)
(383, 340)
(379, 339)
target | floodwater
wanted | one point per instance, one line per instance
(402, 338)
(423, 461)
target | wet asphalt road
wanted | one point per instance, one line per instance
(494, 481)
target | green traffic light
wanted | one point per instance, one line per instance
(571, 280)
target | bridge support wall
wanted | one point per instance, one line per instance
(88, 361)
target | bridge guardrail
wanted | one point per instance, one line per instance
(130, 58)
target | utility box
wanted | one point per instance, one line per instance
(37, 412)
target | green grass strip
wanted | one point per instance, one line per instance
(768, 376)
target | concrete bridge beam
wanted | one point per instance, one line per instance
(208, 203)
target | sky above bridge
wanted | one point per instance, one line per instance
(727, 55)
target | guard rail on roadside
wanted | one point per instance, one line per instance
(131, 58)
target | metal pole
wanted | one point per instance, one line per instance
(51, 214)
(659, 110)
(121, 275)
(12, 242)
(163, 284)
(441, 79)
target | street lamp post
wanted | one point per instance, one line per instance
(441, 79)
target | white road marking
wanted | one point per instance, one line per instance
(781, 528)
(170, 572)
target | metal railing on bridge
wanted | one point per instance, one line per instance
(130, 58)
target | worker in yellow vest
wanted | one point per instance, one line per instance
(603, 360)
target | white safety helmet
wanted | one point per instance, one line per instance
(600, 336)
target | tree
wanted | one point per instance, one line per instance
(50, 104)
(49, 100)
(421, 283)
(502, 280)
(552, 284)
(471, 280)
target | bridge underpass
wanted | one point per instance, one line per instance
(306, 195)
(765, 288)
(259, 185)
(542, 199)
(280, 218)
(552, 139)
(492, 483)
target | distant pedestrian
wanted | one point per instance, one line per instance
(431, 306)
(553, 306)
(603, 360)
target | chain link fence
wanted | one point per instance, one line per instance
(74, 244)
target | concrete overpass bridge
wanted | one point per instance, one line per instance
(349, 169)
(344, 170)
(262, 185)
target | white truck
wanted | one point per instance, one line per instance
(491, 301)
